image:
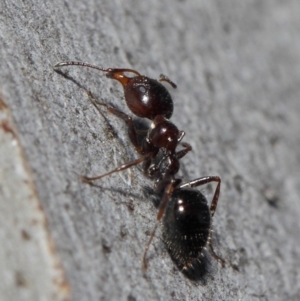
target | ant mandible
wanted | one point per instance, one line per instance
(187, 218)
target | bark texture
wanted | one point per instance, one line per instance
(236, 64)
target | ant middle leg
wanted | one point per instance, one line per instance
(118, 169)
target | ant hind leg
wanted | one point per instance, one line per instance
(203, 181)
(214, 255)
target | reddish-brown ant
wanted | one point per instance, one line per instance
(186, 216)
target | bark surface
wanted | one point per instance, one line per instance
(236, 64)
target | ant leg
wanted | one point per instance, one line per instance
(182, 153)
(163, 78)
(203, 181)
(181, 135)
(161, 211)
(122, 167)
(147, 247)
(131, 129)
(215, 256)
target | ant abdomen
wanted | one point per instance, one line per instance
(186, 230)
(147, 98)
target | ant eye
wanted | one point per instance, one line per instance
(142, 89)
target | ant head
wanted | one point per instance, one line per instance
(148, 98)
(119, 75)
(145, 97)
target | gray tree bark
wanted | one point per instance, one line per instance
(236, 64)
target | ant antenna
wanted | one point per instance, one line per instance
(108, 70)
(74, 63)
(163, 78)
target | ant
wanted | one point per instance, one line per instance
(185, 213)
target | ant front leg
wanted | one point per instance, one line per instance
(131, 128)
(182, 153)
